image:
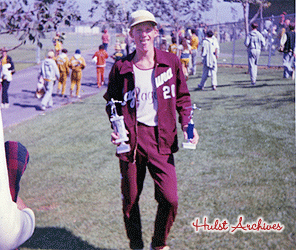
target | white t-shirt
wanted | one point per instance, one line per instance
(16, 226)
(146, 96)
(6, 73)
(185, 53)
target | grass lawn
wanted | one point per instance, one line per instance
(243, 165)
(25, 56)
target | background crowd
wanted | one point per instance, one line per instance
(187, 43)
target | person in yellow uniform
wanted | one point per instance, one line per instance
(194, 42)
(57, 42)
(77, 64)
(63, 64)
(173, 46)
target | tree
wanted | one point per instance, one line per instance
(111, 12)
(276, 8)
(177, 13)
(31, 22)
(245, 3)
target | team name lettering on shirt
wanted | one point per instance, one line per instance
(159, 80)
(130, 96)
(163, 77)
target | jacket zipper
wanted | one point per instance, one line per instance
(136, 146)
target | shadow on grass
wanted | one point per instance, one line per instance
(89, 84)
(29, 91)
(247, 84)
(36, 107)
(57, 238)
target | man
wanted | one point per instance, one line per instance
(254, 42)
(194, 45)
(287, 45)
(50, 73)
(152, 86)
(105, 39)
(63, 64)
(77, 64)
(6, 77)
(6, 57)
(210, 53)
(173, 47)
(57, 42)
(17, 222)
(99, 58)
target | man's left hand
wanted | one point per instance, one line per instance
(195, 138)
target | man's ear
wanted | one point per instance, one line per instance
(131, 32)
(156, 31)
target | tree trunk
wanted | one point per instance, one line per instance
(261, 18)
(246, 17)
(259, 11)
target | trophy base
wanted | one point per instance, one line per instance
(188, 145)
(123, 148)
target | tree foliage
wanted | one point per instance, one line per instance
(110, 12)
(173, 12)
(245, 3)
(30, 22)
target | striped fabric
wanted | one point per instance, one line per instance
(17, 158)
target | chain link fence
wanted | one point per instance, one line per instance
(231, 37)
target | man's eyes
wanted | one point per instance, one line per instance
(146, 30)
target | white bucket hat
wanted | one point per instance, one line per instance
(50, 54)
(141, 16)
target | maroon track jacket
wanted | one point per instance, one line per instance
(172, 95)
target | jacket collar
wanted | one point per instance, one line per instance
(159, 57)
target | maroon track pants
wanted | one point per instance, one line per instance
(162, 170)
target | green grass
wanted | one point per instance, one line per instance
(242, 166)
(25, 56)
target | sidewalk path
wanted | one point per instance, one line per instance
(23, 103)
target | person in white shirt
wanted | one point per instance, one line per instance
(152, 87)
(210, 53)
(6, 78)
(17, 222)
(50, 73)
(254, 42)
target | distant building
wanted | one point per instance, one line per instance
(86, 29)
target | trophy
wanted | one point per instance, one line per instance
(188, 144)
(119, 127)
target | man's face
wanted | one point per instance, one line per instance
(144, 35)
